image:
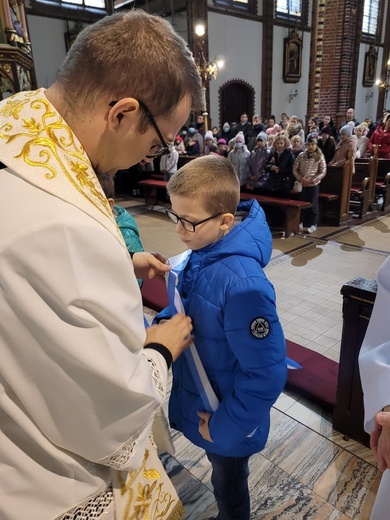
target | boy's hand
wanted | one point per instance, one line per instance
(150, 265)
(204, 425)
(175, 334)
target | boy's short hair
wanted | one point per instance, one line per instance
(130, 54)
(211, 179)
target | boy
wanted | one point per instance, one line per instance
(237, 331)
(258, 175)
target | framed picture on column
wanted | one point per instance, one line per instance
(370, 61)
(292, 63)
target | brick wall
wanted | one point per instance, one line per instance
(333, 57)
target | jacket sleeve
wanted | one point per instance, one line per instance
(287, 164)
(256, 338)
(322, 168)
(171, 160)
(296, 172)
(251, 159)
(270, 162)
(321, 171)
(74, 341)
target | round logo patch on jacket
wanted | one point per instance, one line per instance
(260, 328)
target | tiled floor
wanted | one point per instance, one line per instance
(307, 470)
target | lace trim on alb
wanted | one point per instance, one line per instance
(124, 454)
(158, 380)
(91, 508)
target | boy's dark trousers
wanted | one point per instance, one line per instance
(230, 481)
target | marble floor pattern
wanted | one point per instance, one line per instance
(307, 470)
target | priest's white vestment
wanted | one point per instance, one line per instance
(374, 362)
(77, 390)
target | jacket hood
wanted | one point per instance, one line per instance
(251, 237)
(123, 219)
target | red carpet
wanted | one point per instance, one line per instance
(317, 380)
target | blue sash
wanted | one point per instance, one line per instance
(203, 385)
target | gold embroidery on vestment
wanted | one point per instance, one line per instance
(55, 143)
(152, 501)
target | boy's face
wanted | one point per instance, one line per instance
(260, 144)
(205, 234)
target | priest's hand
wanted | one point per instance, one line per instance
(150, 265)
(174, 334)
(380, 439)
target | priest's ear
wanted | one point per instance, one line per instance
(126, 107)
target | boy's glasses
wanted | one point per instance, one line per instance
(158, 149)
(187, 224)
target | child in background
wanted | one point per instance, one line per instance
(280, 167)
(222, 148)
(215, 133)
(309, 169)
(179, 145)
(294, 127)
(326, 143)
(208, 142)
(236, 331)
(270, 141)
(238, 157)
(258, 174)
(361, 132)
(124, 220)
(168, 163)
(296, 145)
(192, 147)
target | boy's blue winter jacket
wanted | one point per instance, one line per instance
(238, 336)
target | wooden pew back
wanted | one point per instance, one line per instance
(338, 180)
(383, 169)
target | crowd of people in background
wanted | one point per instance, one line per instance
(194, 140)
(263, 152)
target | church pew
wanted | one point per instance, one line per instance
(154, 191)
(291, 208)
(383, 183)
(363, 185)
(337, 182)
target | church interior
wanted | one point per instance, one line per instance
(306, 57)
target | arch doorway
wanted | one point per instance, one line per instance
(236, 97)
